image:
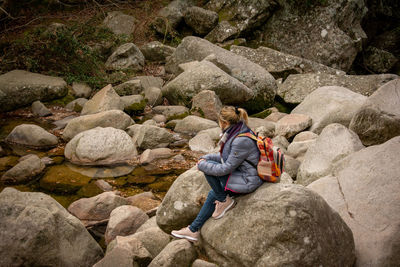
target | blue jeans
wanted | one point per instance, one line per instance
(217, 192)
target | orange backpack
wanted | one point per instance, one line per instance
(271, 163)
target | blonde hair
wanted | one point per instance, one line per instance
(233, 115)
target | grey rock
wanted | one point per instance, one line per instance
(63, 122)
(297, 220)
(178, 252)
(40, 110)
(132, 87)
(330, 104)
(202, 143)
(81, 90)
(105, 99)
(206, 104)
(252, 75)
(145, 201)
(304, 136)
(154, 96)
(194, 124)
(286, 178)
(97, 208)
(34, 229)
(150, 155)
(214, 133)
(298, 149)
(124, 220)
(291, 166)
(127, 56)
(32, 136)
(158, 118)
(329, 33)
(254, 123)
(156, 51)
(334, 143)
(362, 201)
(150, 223)
(378, 119)
(171, 112)
(292, 124)
(222, 32)
(24, 171)
(275, 116)
(133, 103)
(112, 118)
(298, 86)
(153, 137)
(202, 21)
(77, 104)
(378, 60)
(150, 122)
(203, 263)
(100, 146)
(280, 64)
(281, 142)
(181, 205)
(206, 76)
(120, 23)
(20, 88)
(150, 81)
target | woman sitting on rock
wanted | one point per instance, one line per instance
(229, 173)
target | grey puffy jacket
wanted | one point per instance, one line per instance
(243, 177)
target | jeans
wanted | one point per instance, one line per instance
(217, 192)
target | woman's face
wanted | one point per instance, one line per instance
(223, 124)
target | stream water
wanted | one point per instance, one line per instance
(67, 182)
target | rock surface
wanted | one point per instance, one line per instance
(280, 64)
(292, 124)
(35, 230)
(330, 104)
(156, 51)
(362, 201)
(172, 112)
(32, 136)
(40, 110)
(194, 124)
(181, 203)
(222, 32)
(206, 104)
(298, 86)
(378, 119)
(176, 253)
(103, 100)
(206, 76)
(77, 104)
(252, 75)
(202, 143)
(154, 96)
(150, 155)
(334, 143)
(131, 87)
(124, 220)
(81, 90)
(112, 118)
(149, 137)
(120, 23)
(127, 56)
(100, 146)
(295, 226)
(24, 171)
(202, 21)
(20, 88)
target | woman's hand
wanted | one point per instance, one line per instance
(200, 160)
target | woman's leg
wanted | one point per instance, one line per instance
(216, 193)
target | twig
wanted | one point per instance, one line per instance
(8, 14)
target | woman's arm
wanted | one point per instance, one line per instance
(239, 152)
(213, 156)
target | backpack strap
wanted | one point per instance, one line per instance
(249, 135)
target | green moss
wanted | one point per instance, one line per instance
(136, 107)
(178, 116)
(62, 101)
(198, 111)
(263, 114)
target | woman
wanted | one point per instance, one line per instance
(229, 173)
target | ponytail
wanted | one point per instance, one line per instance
(233, 115)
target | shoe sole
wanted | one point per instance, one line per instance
(225, 210)
(184, 236)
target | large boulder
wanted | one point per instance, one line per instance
(156, 51)
(181, 204)
(369, 205)
(153, 239)
(194, 124)
(334, 143)
(250, 74)
(326, 32)
(20, 88)
(202, 21)
(103, 100)
(127, 56)
(112, 118)
(120, 23)
(149, 136)
(330, 104)
(298, 86)
(133, 103)
(206, 104)
(177, 253)
(222, 32)
(244, 16)
(289, 226)
(280, 64)
(35, 230)
(131, 87)
(24, 171)
(97, 208)
(206, 76)
(100, 146)
(124, 220)
(292, 124)
(378, 119)
(32, 136)
(153, 96)
(172, 112)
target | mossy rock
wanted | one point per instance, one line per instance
(178, 116)
(90, 190)
(160, 186)
(263, 114)
(136, 107)
(63, 180)
(142, 179)
(62, 101)
(58, 160)
(8, 162)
